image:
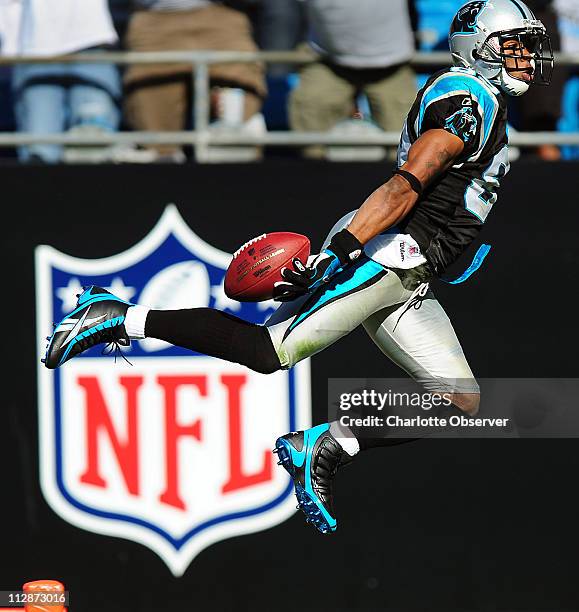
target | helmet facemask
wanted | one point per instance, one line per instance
(521, 56)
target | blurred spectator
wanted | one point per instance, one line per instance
(540, 109)
(568, 18)
(158, 96)
(120, 13)
(366, 47)
(10, 18)
(50, 98)
(281, 27)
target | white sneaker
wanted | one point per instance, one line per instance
(86, 154)
(254, 126)
(131, 154)
(357, 127)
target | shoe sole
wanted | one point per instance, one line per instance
(306, 502)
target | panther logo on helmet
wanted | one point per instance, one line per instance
(465, 20)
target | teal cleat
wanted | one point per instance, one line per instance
(312, 458)
(98, 318)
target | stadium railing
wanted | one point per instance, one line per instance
(202, 137)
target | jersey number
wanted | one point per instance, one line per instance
(481, 194)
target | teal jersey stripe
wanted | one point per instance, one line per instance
(476, 263)
(360, 273)
(461, 84)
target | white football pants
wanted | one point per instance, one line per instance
(397, 309)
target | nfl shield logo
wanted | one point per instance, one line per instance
(174, 451)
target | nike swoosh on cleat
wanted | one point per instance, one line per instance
(79, 324)
(69, 324)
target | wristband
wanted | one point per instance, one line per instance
(345, 246)
(414, 182)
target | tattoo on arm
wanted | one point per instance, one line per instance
(435, 167)
(432, 154)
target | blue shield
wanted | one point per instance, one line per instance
(173, 451)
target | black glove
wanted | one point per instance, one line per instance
(343, 249)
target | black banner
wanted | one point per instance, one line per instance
(464, 524)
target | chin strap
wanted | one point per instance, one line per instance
(508, 84)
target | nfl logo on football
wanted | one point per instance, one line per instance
(173, 451)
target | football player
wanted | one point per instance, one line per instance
(375, 266)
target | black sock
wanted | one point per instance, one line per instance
(217, 334)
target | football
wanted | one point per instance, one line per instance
(257, 265)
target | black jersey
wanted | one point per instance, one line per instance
(452, 210)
